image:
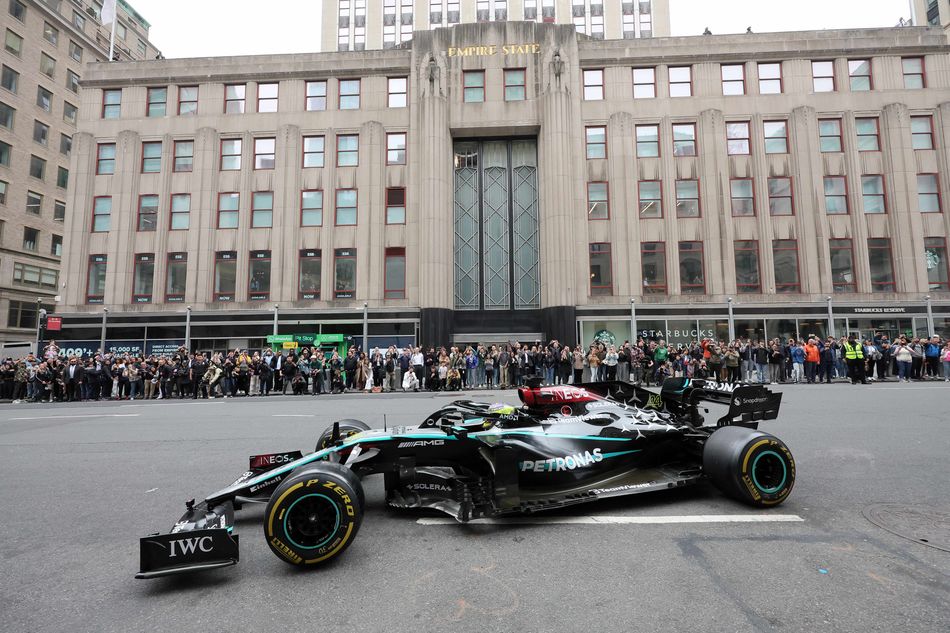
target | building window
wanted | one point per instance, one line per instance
(5, 151)
(65, 144)
(75, 51)
(653, 262)
(111, 104)
(265, 153)
(225, 275)
(921, 132)
(231, 154)
(872, 194)
(514, 84)
(684, 139)
(648, 141)
(234, 98)
(650, 199)
(747, 267)
(594, 85)
(148, 213)
(79, 20)
(395, 273)
(187, 100)
(882, 267)
(692, 275)
(737, 138)
(69, 112)
(143, 278)
(258, 276)
(13, 43)
(776, 137)
(9, 79)
(836, 195)
(397, 88)
(601, 272)
(770, 78)
(396, 205)
(56, 246)
(928, 193)
(22, 314)
(823, 76)
(151, 157)
(3, 195)
(687, 199)
(101, 214)
(859, 73)
(59, 211)
(598, 201)
(829, 135)
(868, 138)
(935, 256)
(31, 239)
(157, 98)
(311, 207)
(176, 276)
(6, 120)
(228, 210)
(51, 34)
(344, 273)
(733, 79)
(396, 148)
(184, 156)
(308, 281)
(267, 97)
(785, 263)
(37, 167)
(780, 196)
(596, 142)
(72, 81)
(913, 68)
(842, 266)
(316, 96)
(62, 177)
(313, 151)
(40, 129)
(474, 86)
(34, 202)
(348, 150)
(681, 81)
(349, 94)
(262, 209)
(18, 10)
(346, 207)
(44, 99)
(180, 219)
(743, 198)
(96, 279)
(644, 83)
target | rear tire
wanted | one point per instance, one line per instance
(749, 465)
(347, 428)
(314, 515)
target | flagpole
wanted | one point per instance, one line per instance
(112, 36)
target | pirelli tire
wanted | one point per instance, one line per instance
(314, 515)
(749, 465)
(347, 428)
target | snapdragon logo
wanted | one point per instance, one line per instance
(568, 462)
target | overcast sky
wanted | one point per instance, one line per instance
(197, 28)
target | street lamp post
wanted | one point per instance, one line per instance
(40, 315)
(930, 317)
(831, 318)
(276, 313)
(732, 323)
(102, 333)
(365, 325)
(633, 322)
(188, 328)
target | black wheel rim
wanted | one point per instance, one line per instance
(311, 521)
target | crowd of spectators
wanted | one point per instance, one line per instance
(260, 373)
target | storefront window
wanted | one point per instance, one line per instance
(782, 329)
(750, 329)
(607, 332)
(651, 330)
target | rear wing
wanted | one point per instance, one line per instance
(748, 404)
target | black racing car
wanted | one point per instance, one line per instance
(565, 445)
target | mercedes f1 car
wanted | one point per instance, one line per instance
(566, 445)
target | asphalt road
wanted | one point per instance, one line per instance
(81, 483)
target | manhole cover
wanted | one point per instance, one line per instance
(926, 525)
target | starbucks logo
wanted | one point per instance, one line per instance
(606, 337)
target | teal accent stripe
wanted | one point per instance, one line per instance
(558, 435)
(619, 453)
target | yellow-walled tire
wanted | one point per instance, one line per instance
(314, 515)
(749, 465)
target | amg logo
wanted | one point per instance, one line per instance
(188, 546)
(420, 443)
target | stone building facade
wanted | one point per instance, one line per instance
(519, 180)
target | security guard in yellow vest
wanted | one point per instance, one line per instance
(854, 356)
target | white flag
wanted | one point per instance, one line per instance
(108, 12)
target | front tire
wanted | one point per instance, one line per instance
(314, 515)
(749, 465)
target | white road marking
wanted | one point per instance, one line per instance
(626, 520)
(91, 415)
(293, 415)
